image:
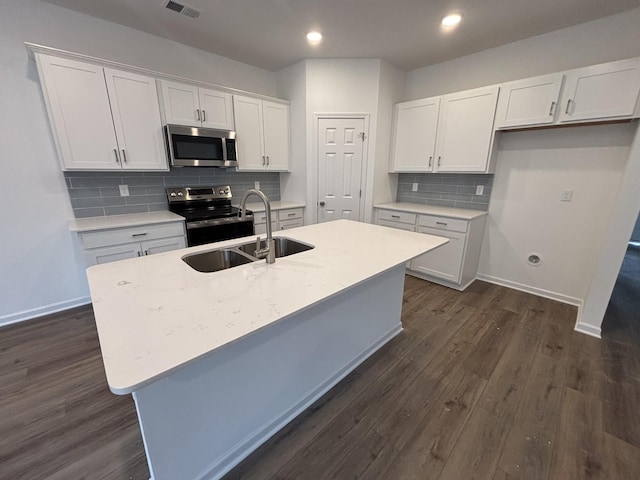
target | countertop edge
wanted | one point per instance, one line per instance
(92, 224)
(460, 213)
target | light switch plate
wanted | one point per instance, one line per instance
(256, 185)
(414, 187)
(479, 189)
(124, 190)
(567, 195)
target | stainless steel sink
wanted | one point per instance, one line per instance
(284, 247)
(216, 260)
(229, 257)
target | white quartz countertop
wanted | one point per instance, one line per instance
(277, 205)
(118, 221)
(461, 213)
(155, 313)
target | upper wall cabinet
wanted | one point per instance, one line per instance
(102, 119)
(532, 101)
(262, 129)
(605, 91)
(185, 104)
(452, 133)
(601, 92)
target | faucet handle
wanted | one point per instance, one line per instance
(257, 244)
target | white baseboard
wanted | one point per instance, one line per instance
(580, 326)
(44, 310)
(540, 292)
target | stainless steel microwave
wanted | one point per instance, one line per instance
(200, 147)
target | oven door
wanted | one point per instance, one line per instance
(200, 233)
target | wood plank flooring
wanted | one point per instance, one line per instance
(489, 383)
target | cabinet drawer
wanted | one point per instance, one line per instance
(261, 217)
(401, 226)
(261, 228)
(289, 214)
(119, 236)
(292, 223)
(393, 216)
(443, 223)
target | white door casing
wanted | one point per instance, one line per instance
(340, 165)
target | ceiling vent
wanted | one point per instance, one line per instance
(182, 8)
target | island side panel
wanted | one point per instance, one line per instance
(205, 418)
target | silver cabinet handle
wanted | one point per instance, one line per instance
(568, 106)
(395, 216)
(322, 204)
(430, 161)
(146, 252)
(198, 113)
(441, 223)
(553, 107)
(124, 156)
(138, 253)
(138, 234)
(264, 160)
(290, 214)
(204, 116)
(115, 152)
(267, 160)
(439, 159)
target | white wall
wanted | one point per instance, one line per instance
(41, 269)
(340, 86)
(390, 92)
(603, 40)
(526, 215)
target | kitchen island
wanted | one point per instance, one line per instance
(218, 362)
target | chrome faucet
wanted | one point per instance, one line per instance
(269, 251)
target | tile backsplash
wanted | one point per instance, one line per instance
(445, 190)
(95, 194)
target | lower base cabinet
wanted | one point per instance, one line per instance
(111, 245)
(454, 264)
(280, 220)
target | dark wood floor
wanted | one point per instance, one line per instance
(621, 321)
(489, 384)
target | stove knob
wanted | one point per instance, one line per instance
(180, 194)
(173, 194)
(226, 190)
(221, 192)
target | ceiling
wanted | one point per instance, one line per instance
(406, 33)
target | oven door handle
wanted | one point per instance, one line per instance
(219, 221)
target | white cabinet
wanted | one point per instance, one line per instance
(608, 91)
(102, 119)
(453, 133)
(110, 245)
(185, 104)
(262, 130)
(280, 220)
(454, 264)
(532, 101)
(605, 91)
(414, 143)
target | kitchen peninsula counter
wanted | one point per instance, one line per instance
(232, 356)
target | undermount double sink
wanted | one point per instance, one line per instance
(229, 257)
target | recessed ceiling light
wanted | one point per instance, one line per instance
(314, 37)
(451, 20)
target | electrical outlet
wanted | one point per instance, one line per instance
(479, 189)
(414, 188)
(566, 196)
(124, 190)
(256, 185)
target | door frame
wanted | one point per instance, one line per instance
(312, 181)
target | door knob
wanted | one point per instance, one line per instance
(322, 204)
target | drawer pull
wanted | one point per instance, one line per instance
(138, 234)
(441, 223)
(291, 214)
(395, 216)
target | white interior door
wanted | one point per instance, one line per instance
(340, 147)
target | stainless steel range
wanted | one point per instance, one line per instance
(209, 214)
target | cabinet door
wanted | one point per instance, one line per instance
(415, 126)
(101, 255)
(250, 134)
(444, 262)
(181, 104)
(276, 135)
(79, 112)
(150, 247)
(609, 90)
(216, 109)
(465, 130)
(261, 228)
(533, 101)
(136, 116)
